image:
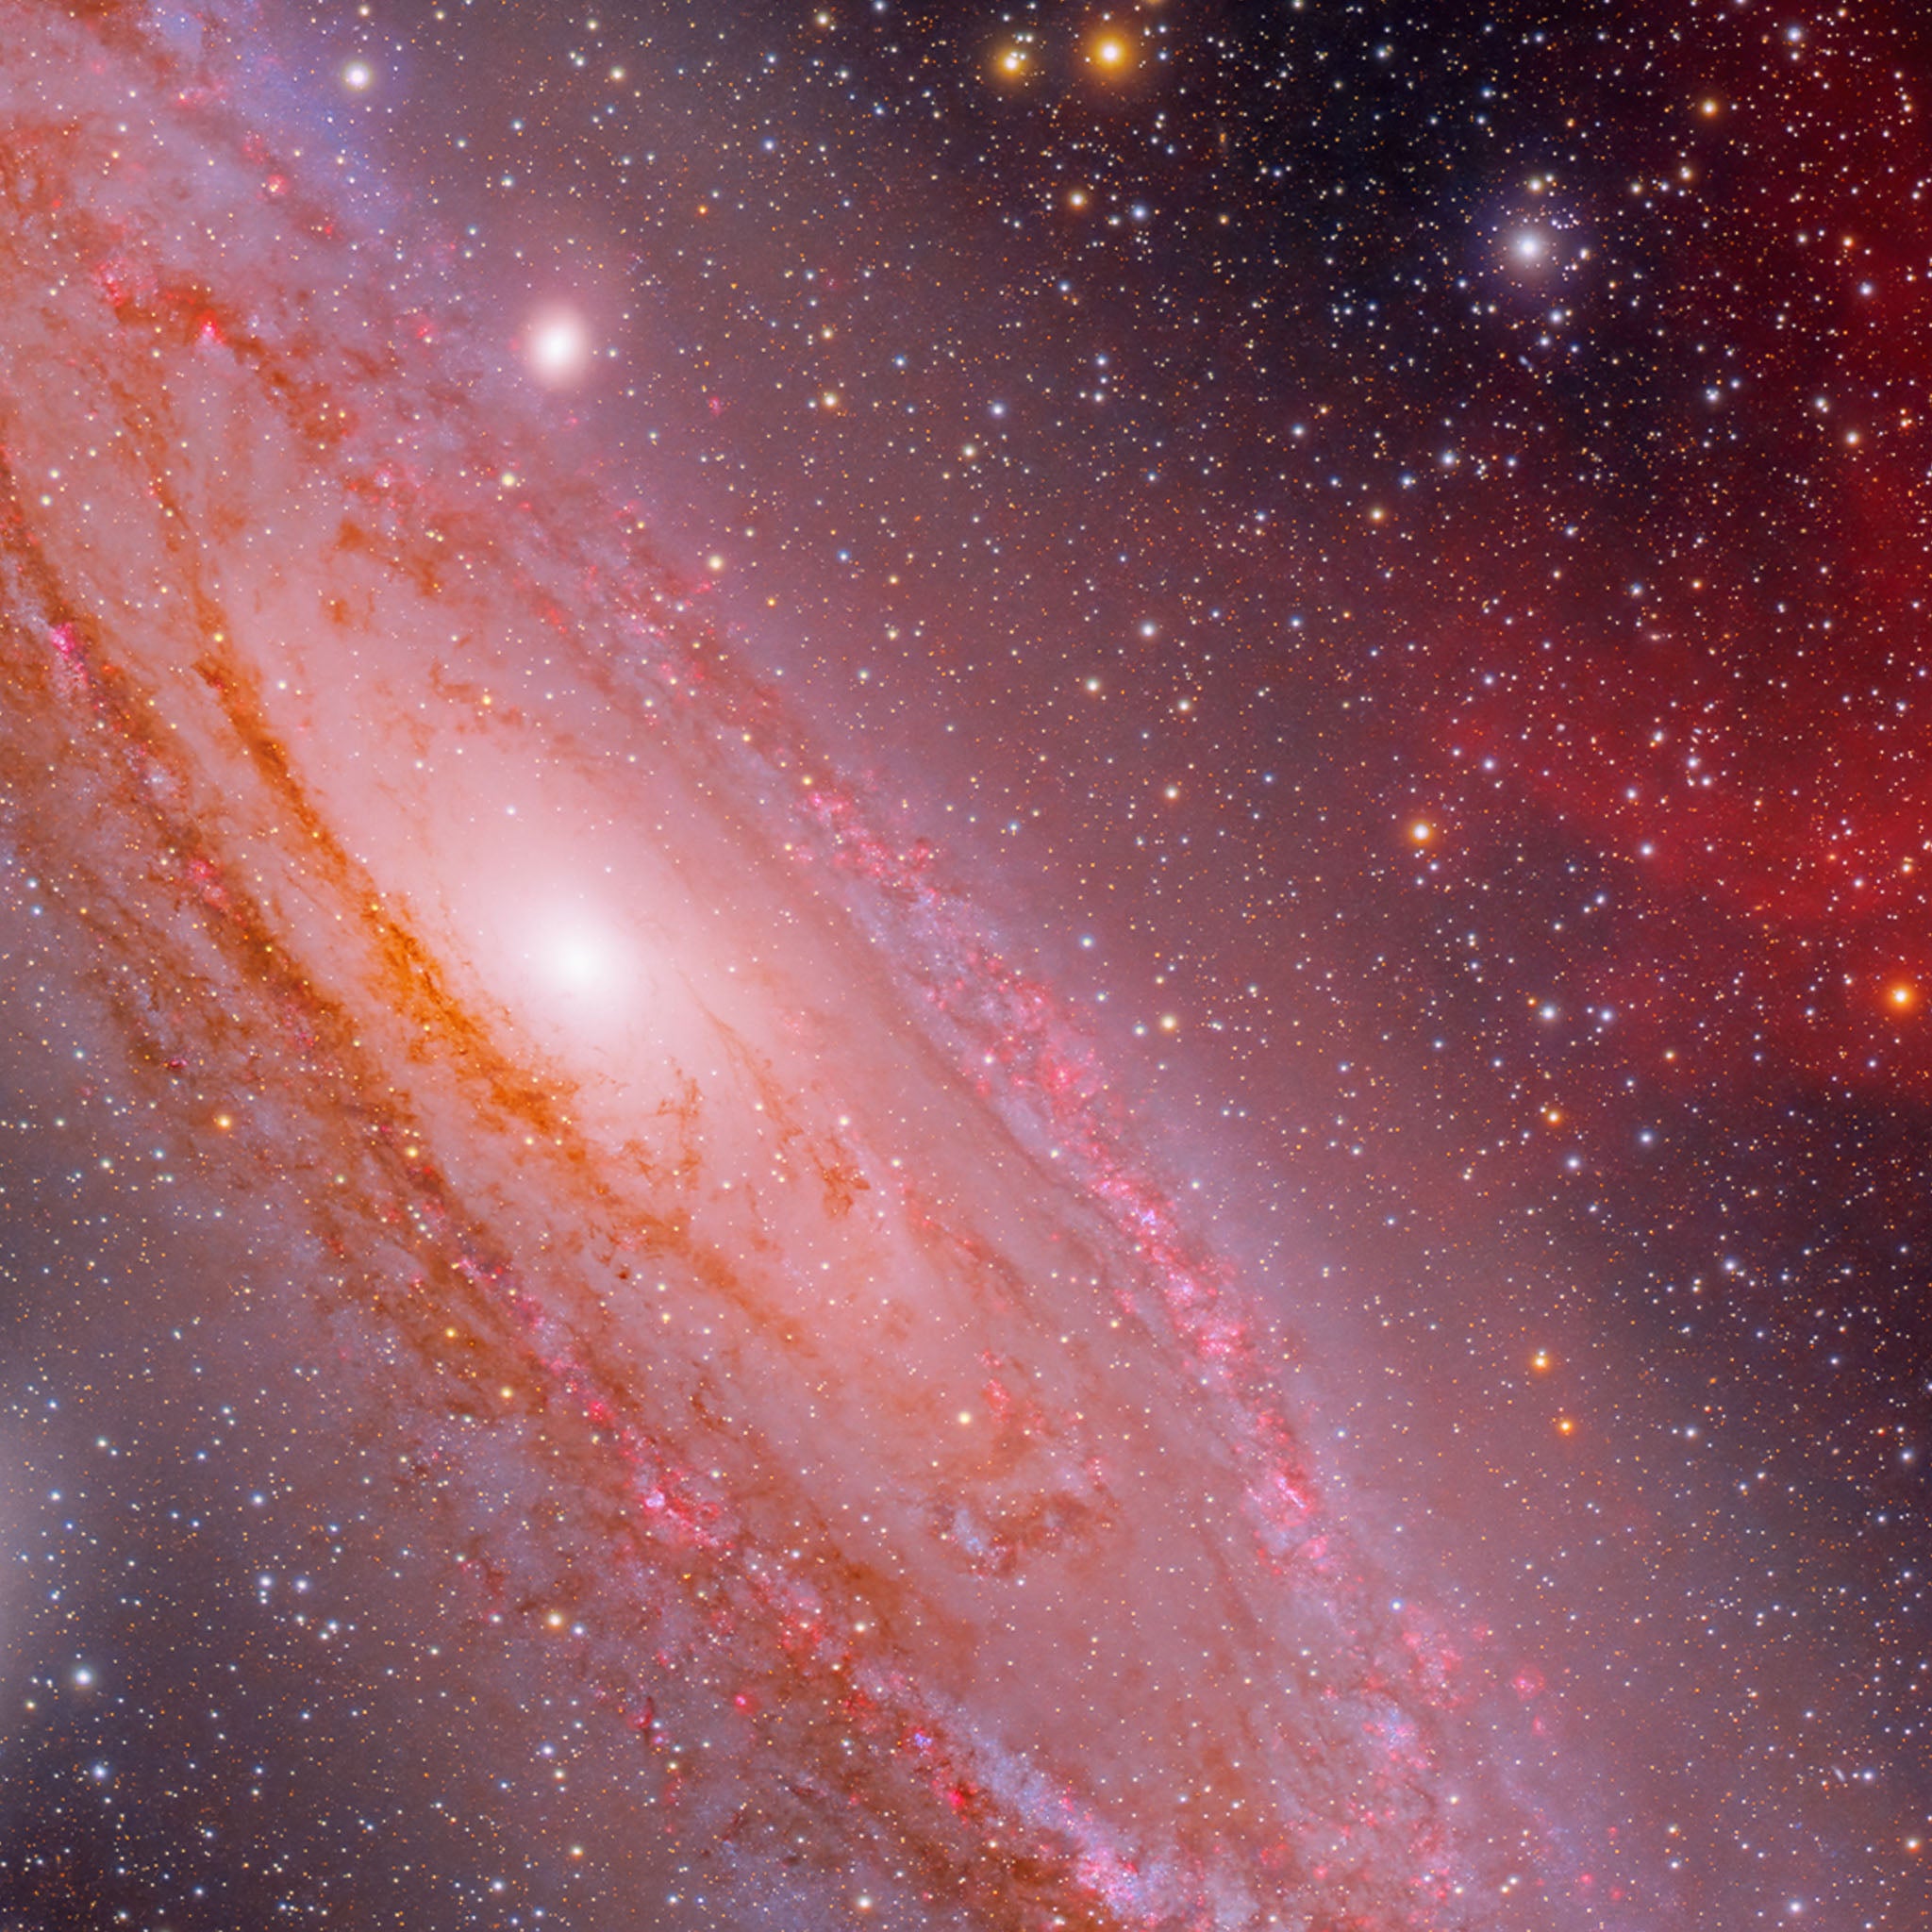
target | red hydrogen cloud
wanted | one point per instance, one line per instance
(1717, 697)
(718, 1213)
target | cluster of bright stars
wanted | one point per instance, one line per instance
(1109, 53)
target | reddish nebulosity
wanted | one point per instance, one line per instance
(1713, 703)
(1814, 866)
(752, 1265)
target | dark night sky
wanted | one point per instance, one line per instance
(1336, 597)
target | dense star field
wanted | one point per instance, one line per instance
(964, 967)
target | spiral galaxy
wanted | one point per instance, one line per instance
(960, 968)
(754, 1290)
